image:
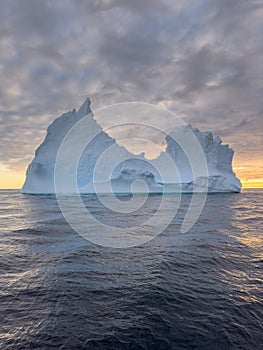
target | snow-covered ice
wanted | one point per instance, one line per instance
(132, 172)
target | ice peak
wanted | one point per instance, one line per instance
(85, 108)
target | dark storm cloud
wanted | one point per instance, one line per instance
(202, 60)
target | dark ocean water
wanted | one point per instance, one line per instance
(197, 290)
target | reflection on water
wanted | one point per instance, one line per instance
(201, 289)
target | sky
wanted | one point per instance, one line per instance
(200, 59)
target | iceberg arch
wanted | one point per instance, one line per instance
(40, 173)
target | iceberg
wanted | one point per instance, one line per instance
(132, 173)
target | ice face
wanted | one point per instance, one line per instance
(40, 173)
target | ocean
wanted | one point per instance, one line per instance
(202, 289)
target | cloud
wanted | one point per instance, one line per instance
(202, 60)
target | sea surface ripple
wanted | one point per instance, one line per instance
(197, 290)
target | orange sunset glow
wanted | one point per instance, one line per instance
(250, 174)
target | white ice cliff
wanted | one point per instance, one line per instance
(132, 172)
